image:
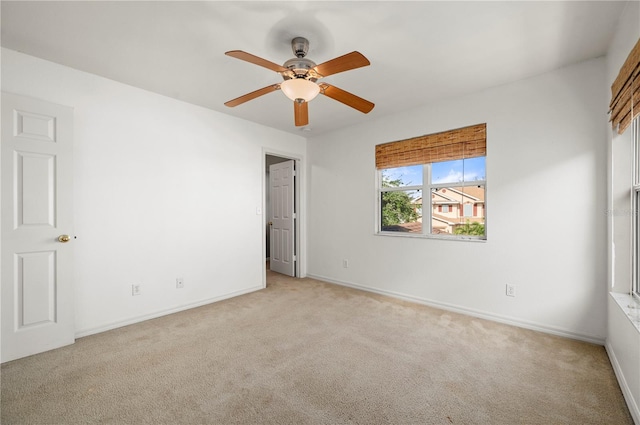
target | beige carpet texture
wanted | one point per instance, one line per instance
(307, 352)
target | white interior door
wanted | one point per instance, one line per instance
(282, 218)
(36, 290)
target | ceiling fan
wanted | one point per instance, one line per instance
(300, 79)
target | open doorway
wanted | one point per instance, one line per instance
(281, 206)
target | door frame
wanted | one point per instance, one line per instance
(299, 202)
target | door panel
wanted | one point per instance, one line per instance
(282, 217)
(34, 176)
(36, 289)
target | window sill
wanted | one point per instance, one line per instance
(630, 306)
(421, 236)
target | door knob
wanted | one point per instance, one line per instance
(271, 223)
(64, 238)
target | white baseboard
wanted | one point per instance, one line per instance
(624, 386)
(470, 312)
(137, 319)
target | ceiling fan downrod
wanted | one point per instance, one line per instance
(300, 46)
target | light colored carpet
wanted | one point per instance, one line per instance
(307, 352)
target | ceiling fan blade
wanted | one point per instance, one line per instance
(248, 57)
(301, 113)
(346, 62)
(347, 98)
(250, 96)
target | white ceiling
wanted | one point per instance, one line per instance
(419, 51)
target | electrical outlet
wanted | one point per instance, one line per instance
(511, 290)
(345, 264)
(135, 289)
(179, 282)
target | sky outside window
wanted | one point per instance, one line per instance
(467, 170)
(408, 176)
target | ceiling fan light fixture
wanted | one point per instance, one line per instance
(300, 88)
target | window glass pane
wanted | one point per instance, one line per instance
(475, 169)
(458, 171)
(447, 172)
(466, 212)
(402, 176)
(401, 211)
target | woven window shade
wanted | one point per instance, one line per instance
(467, 142)
(625, 92)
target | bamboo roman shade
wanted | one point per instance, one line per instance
(625, 92)
(467, 142)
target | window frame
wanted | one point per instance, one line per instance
(635, 207)
(427, 218)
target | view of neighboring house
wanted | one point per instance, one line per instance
(451, 207)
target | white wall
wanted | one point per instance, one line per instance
(546, 150)
(163, 189)
(623, 339)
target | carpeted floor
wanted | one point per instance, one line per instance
(307, 352)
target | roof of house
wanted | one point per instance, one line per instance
(459, 194)
(414, 227)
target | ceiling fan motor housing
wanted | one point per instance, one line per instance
(301, 67)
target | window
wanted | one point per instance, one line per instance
(635, 137)
(401, 199)
(434, 185)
